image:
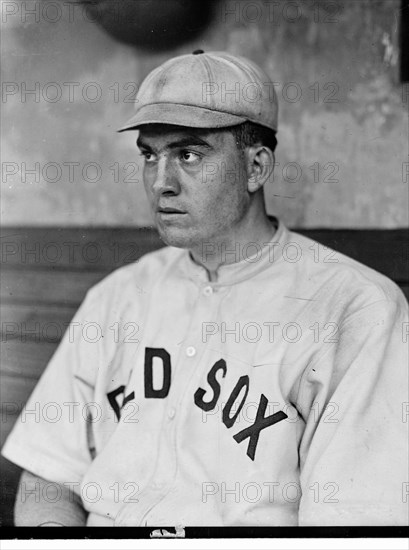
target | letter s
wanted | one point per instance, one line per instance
(214, 384)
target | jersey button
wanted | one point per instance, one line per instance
(207, 291)
(171, 413)
(190, 351)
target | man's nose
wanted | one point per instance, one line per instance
(166, 180)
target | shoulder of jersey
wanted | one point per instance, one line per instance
(354, 276)
(142, 273)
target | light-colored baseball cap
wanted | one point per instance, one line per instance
(206, 90)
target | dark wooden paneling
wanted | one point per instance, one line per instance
(105, 249)
(384, 250)
(405, 289)
(9, 476)
(34, 322)
(25, 359)
(46, 286)
(89, 249)
(14, 392)
(8, 419)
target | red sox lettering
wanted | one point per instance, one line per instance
(252, 433)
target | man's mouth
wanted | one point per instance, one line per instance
(170, 210)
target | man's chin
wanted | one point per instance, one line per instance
(175, 237)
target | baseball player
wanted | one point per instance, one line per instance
(242, 375)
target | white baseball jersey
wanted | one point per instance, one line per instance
(276, 396)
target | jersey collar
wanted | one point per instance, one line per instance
(252, 259)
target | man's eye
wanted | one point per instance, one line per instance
(149, 157)
(189, 157)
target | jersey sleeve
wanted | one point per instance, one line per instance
(354, 400)
(50, 437)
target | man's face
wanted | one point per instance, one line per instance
(196, 183)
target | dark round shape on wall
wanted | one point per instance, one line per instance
(151, 24)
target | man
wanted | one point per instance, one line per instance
(265, 386)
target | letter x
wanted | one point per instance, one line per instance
(260, 422)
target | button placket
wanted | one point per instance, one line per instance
(168, 457)
(161, 481)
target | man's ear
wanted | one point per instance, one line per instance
(260, 165)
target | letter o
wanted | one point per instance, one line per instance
(44, 92)
(245, 330)
(91, 259)
(88, 416)
(84, 492)
(58, 172)
(288, 407)
(45, 335)
(98, 335)
(245, 9)
(297, 175)
(58, 252)
(249, 258)
(57, 488)
(85, 174)
(88, 16)
(288, 486)
(256, 97)
(98, 93)
(298, 94)
(46, 15)
(245, 492)
(285, 332)
(58, 409)
(294, 259)
(285, 12)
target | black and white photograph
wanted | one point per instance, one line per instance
(205, 271)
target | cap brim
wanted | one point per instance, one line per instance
(181, 115)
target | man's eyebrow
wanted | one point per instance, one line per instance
(189, 141)
(183, 142)
(140, 143)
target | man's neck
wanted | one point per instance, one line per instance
(225, 251)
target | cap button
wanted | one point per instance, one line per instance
(197, 52)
